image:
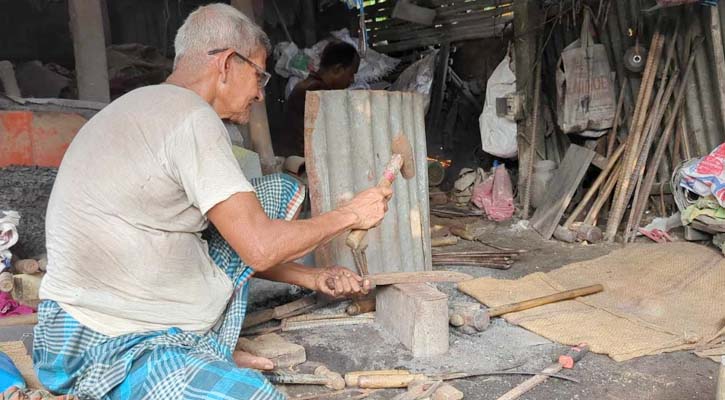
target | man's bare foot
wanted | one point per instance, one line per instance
(246, 360)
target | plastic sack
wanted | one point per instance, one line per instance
(418, 77)
(9, 374)
(706, 176)
(585, 92)
(291, 61)
(498, 134)
(495, 195)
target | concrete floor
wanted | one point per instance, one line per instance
(673, 376)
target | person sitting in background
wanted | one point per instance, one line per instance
(338, 66)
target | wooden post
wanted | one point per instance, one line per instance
(258, 122)
(717, 49)
(526, 32)
(309, 26)
(89, 47)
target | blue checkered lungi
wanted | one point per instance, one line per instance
(70, 358)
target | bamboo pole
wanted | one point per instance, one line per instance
(604, 194)
(635, 132)
(595, 186)
(662, 146)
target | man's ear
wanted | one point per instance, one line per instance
(223, 65)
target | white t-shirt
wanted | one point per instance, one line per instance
(125, 253)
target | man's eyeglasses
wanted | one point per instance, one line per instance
(262, 75)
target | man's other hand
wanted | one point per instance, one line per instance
(369, 207)
(340, 282)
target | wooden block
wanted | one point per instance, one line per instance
(447, 392)
(282, 353)
(26, 287)
(416, 314)
(563, 184)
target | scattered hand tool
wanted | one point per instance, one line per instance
(539, 301)
(322, 376)
(402, 160)
(565, 361)
(403, 380)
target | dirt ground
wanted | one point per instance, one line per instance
(673, 376)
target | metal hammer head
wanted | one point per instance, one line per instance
(401, 146)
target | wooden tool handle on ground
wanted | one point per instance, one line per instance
(355, 238)
(352, 377)
(387, 381)
(540, 301)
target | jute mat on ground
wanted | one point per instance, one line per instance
(656, 299)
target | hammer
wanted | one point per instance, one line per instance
(401, 160)
(465, 317)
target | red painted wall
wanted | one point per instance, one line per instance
(36, 138)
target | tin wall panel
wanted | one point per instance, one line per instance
(348, 136)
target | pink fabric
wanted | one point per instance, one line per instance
(495, 195)
(8, 306)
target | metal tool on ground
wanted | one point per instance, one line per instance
(401, 160)
(403, 380)
(322, 376)
(565, 361)
(540, 301)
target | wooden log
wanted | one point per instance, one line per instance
(6, 282)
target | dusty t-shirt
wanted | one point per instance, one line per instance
(125, 253)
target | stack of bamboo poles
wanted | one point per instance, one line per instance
(498, 259)
(631, 169)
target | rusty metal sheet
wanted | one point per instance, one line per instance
(348, 135)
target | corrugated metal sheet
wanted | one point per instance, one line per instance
(348, 135)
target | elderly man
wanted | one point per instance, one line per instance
(141, 300)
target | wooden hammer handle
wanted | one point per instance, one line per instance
(355, 238)
(387, 381)
(540, 301)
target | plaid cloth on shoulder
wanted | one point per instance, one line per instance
(72, 359)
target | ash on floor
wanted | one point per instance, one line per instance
(27, 190)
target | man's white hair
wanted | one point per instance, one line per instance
(217, 26)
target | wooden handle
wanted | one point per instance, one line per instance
(540, 301)
(387, 381)
(355, 238)
(351, 378)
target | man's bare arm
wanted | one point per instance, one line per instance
(345, 281)
(264, 243)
